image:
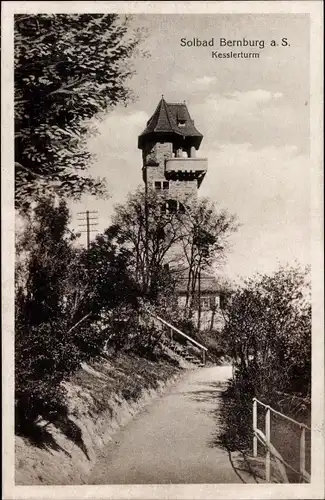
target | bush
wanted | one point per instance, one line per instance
(61, 293)
(44, 356)
(235, 414)
(268, 332)
(268, 336)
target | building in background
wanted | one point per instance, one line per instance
(208, 301)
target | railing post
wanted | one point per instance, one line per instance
(268, 441)
(303, 451)
(203, 356)
(171, 334)
(254, 427)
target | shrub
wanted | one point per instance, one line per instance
(268, 336)
(268, 332)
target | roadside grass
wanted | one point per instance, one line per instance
(235, 417)
(125, 375)
(103, 383)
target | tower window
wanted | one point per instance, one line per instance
(172, 207)
(161, 185)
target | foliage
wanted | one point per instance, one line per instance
(235, 416)
(68, 69)
(99, 279)
(47, 245)
(70, 303)
(43, 351)
(268, 332)
(268, 336)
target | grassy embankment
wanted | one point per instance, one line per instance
(102, 396)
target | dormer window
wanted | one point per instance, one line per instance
(181, 118)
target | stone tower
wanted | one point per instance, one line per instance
(169, 144)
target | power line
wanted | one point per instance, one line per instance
(88, 224)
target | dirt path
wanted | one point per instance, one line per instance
(170, 441)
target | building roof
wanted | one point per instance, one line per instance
(208, 283)
(166, 119)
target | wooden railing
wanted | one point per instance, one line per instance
(173, 329)
(265, 439)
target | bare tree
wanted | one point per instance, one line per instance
(152, 235)
(205, 232)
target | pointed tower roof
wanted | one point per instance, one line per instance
(171, 119)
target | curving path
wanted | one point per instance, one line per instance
(170, 440)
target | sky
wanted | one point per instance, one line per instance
(253, 114)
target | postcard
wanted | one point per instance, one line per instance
(162, 250)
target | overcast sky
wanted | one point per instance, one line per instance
(254, 115)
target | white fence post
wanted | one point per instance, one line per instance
(272, 451)
(268, 441)
(303, 451)
(254, 427)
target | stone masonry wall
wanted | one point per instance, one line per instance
(158, 153)
(182, 190)
(178, 189)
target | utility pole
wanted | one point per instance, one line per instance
(88, 225)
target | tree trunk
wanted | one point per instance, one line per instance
(199, 302)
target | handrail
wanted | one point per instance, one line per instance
(261, 436)
(179, 331)
(282, 414)
(278, 457)
(270, 449)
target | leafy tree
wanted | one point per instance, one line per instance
(43, 350)
(68, 68)
(100, 281)
(268, 336)
(47, 246)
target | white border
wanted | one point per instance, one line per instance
(222, 491)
